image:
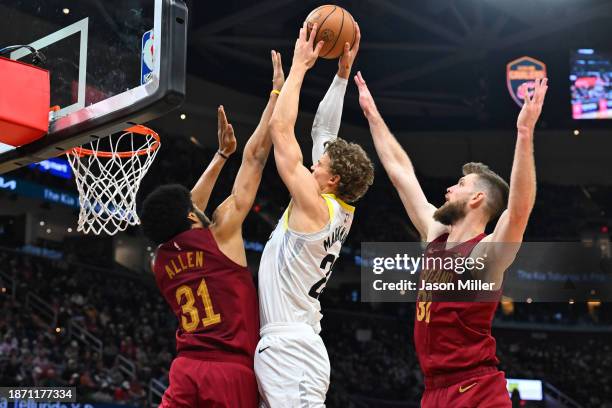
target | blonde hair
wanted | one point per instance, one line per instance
(352, 164)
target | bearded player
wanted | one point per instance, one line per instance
(201, 269)
(453, 339)
(291, 361)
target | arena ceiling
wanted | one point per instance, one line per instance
(434, 65)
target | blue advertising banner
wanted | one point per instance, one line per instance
(34, 190)
(55, 166)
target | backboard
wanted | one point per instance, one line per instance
(113, 63)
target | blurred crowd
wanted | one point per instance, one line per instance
(126, 314)
(370, 346)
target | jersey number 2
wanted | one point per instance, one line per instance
(326, 265)
(190, 320)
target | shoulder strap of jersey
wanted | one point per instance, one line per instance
(330, 207)
(287, 212)
(341, 203)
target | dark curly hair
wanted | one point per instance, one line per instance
(164, 212)
(352, 164)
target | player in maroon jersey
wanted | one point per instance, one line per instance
(453, 339)
(201, 269)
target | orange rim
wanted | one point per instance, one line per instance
(140, 129)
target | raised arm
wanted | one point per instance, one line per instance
(287, 153)
(398, 166)
(200, 193)
(503, 244)
(521, 199)
(230, 214)
(329, 113)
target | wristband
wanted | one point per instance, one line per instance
(222, 155)
(275, 91)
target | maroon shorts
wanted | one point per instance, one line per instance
(481, 391)
(210, 384)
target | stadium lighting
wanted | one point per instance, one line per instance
(195, 141)
(66, 11)
(576, 132)
(183, 116)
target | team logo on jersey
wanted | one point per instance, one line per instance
(521, 75)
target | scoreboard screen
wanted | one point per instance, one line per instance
(529, 390)
(591, 84)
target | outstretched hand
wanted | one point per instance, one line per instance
(532, 106)
(306, 53)
(366, 101)
(225, 133)
(278, 76)
(348, 55)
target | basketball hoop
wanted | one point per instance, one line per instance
(108, 176)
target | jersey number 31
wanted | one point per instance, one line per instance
(190, 320)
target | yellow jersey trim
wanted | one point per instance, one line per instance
(344, 205)
(286, 216)
(330, 206)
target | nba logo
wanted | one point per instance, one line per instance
(147, 60)
(520, 76)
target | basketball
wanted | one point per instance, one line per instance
(239, 221)
(336, 26)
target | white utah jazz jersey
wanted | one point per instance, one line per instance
(295, 267)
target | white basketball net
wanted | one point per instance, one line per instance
(108, 181)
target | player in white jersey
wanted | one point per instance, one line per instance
(291, 362)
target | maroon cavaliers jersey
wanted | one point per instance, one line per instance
(213, 298)
(452, 337)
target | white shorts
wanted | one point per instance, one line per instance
(292, 366)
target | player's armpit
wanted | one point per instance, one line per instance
(226, 227)
(221, 219)
(510, 228)
(309, 220)
(497, 256)
(230, 214)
